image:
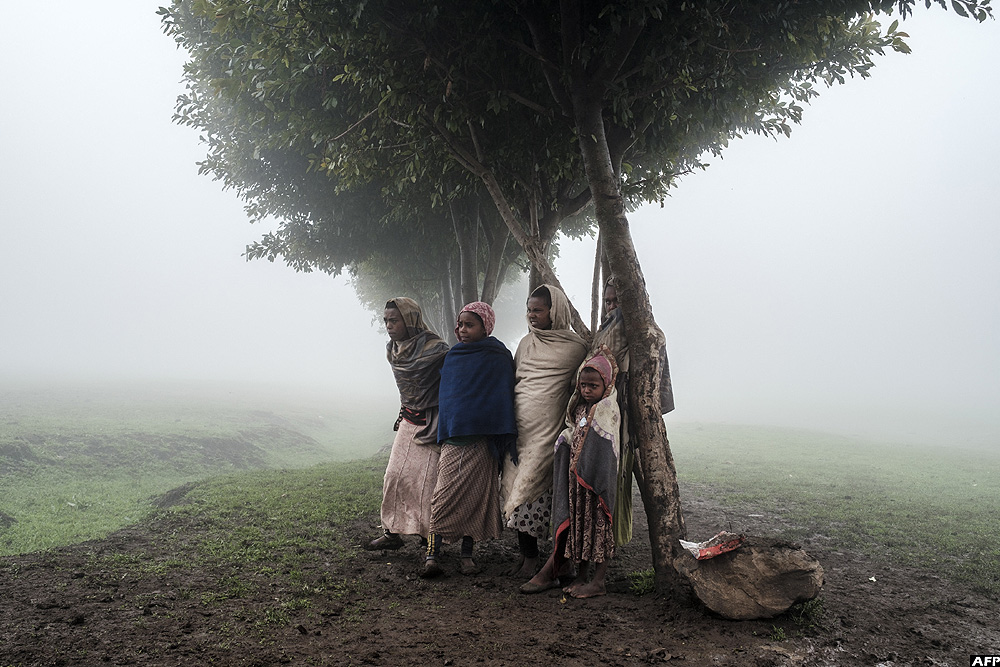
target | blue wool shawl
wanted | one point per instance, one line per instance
(476, 396)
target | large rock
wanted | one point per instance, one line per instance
(761, 579)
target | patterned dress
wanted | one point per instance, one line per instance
(533, 518)
(589, 536)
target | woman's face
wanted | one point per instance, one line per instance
(610, 299)
(539, 315)
(394, 325)
(470, 328)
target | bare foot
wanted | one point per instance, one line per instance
(538, 583)
(568, 570)
(526, 567)
(591, 589)
(568, 590)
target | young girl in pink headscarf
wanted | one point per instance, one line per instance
(584, 480)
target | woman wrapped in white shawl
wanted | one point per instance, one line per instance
(547, 359)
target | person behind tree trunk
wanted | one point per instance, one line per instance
(415, 354)
(612, 334)
(584, 482)
(477, 430)
(546, 361)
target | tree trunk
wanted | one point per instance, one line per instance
(447, 315)
(458, 302)
(605, 274)
(536, 277)
(497, 240)
(660, 495)
(533, 247)
(596, 293)
(466, 224)
(532, 244)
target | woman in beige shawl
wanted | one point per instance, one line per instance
(416, 354)
(547, 359)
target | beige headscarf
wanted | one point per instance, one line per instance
(413, 318)
(416, 361)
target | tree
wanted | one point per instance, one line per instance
(292, 69)
(267, 124)
(552, 105)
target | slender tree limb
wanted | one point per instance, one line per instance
(595, 285)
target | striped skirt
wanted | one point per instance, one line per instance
(466, 500)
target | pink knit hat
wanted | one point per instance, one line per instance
(603, 361)
(485, 313)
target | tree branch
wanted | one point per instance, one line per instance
(534, 106)
(606, 70)
(542, 39)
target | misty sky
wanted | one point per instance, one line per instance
(846, 278)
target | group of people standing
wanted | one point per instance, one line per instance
(534, 442)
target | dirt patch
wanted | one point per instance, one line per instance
(174, 496)
(73, 607)
(14, 456)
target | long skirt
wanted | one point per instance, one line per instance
(590, 536)
(466, 500)
(409, 483)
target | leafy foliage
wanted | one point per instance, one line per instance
(356, 123)
(275, 109)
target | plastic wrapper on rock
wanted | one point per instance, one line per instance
(720, 544)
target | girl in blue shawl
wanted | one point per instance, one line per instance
(476, 429)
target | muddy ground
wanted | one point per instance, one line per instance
(66, 607)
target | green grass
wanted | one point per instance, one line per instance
(929, 506)
(642, 582)
(287, 512)
(77, 465)
(250, 518)
(242, 535)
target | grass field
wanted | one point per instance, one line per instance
(931, 506)
(79, 466)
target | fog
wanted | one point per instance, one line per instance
(844, 279)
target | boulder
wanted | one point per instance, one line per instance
(761, 579)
